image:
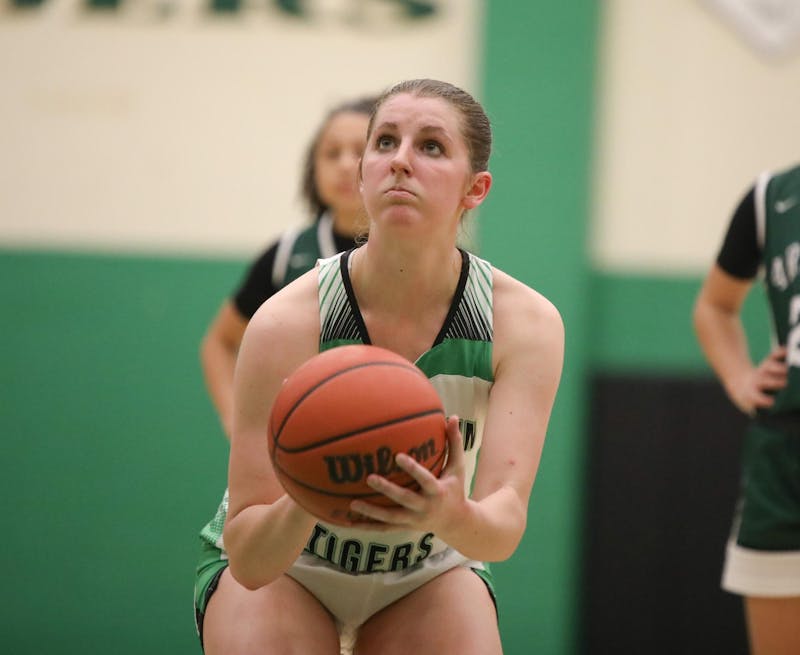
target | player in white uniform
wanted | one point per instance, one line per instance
(494, 349)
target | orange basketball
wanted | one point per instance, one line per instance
(346, 413)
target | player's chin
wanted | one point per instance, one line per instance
(402, 211)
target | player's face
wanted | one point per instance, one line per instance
(416, 166)
(336, 160)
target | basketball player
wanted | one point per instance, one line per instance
(329, 187)
(416, 581)
(763, 555)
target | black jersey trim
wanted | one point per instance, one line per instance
(469, 322)
(355, 311)
(456, 304)
(454, 310)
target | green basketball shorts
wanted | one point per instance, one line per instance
(763, 554)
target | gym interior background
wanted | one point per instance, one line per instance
(150, 148)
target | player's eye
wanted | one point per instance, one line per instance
(434, 148)
(384, 142)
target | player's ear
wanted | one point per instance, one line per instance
(478, 189)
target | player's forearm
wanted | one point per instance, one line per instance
(490, 529)
(218, 360)
(263, 541)
(724, 343)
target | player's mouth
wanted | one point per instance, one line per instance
(399, 192)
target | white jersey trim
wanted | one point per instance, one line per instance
(281, 265)
(327, 244)
(325, 241)
(760, 572)
(761, 208)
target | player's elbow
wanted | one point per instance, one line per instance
(509, 531)
(208, 344)
(240, 565)
(697, 318)
(512, 542)
(702, 312)
(244, 572)
(241, 575)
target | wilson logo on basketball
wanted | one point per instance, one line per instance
(353, 467)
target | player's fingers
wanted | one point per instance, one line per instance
(386, 516)
(400, 495)
(773, 382)
(776, 371)
(772, 375)
(370, 513)
(762, 401)
(455, 448)
(779, 352)
(774, 368)
(425, 479)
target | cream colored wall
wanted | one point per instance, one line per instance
(688, 113)
(158, 128)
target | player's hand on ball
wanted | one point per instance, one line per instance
(436, 505)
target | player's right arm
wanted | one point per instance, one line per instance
(266, 530)
(218, 353)
(220, 345)
(717, 316)
(718, 324)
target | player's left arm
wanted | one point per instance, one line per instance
(528, 355)
(528, 359)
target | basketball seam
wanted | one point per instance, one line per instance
(317, 385)
(365, 428)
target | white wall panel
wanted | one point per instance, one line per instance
(162, 127)
(688, 113)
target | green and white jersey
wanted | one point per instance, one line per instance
(299, 248)
(212, 531)
(459, 364)
(777, 202)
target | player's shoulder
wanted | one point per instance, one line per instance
(528, 328)
(283, 332)
(516, 301)
(528, 346)
(792, 171)
(784, 180)
(290, 307)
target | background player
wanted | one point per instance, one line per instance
(330, 189)
(763, 555)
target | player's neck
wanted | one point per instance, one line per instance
(405, 280)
